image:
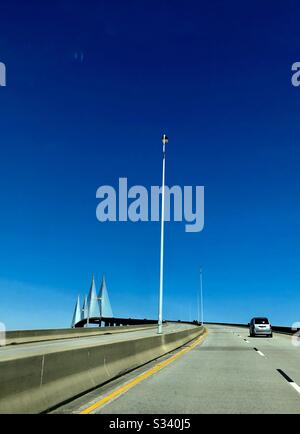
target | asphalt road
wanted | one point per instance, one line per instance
(12, 352)
(223, 374)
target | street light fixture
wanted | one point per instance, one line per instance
(165, 141)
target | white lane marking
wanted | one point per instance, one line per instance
(289, 380)
(246, 341)
(259, 352)
(295, 386)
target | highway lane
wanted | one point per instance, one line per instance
(12, 352)
(279, 351)
(224, 374)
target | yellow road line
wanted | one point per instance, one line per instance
(141, 377)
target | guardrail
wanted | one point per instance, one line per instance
(38, 383)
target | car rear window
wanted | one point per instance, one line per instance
(261, 321)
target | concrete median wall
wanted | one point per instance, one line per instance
(36, 384)
(29, 336)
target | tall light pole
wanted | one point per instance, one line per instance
(201, 295)
(198, 308)
(165, 140)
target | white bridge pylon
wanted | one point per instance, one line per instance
(93, 306)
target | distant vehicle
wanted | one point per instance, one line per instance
(260, 326)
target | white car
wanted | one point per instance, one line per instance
(260, 326)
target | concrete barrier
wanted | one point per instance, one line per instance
(36, 384)
(30, 336)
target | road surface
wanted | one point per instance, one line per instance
(228, 372)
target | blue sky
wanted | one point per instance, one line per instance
(91, 86)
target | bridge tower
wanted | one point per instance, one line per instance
(77, 313)
(104, 302)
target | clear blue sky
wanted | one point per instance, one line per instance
(91, 86)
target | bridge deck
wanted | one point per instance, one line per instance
(224, 374)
